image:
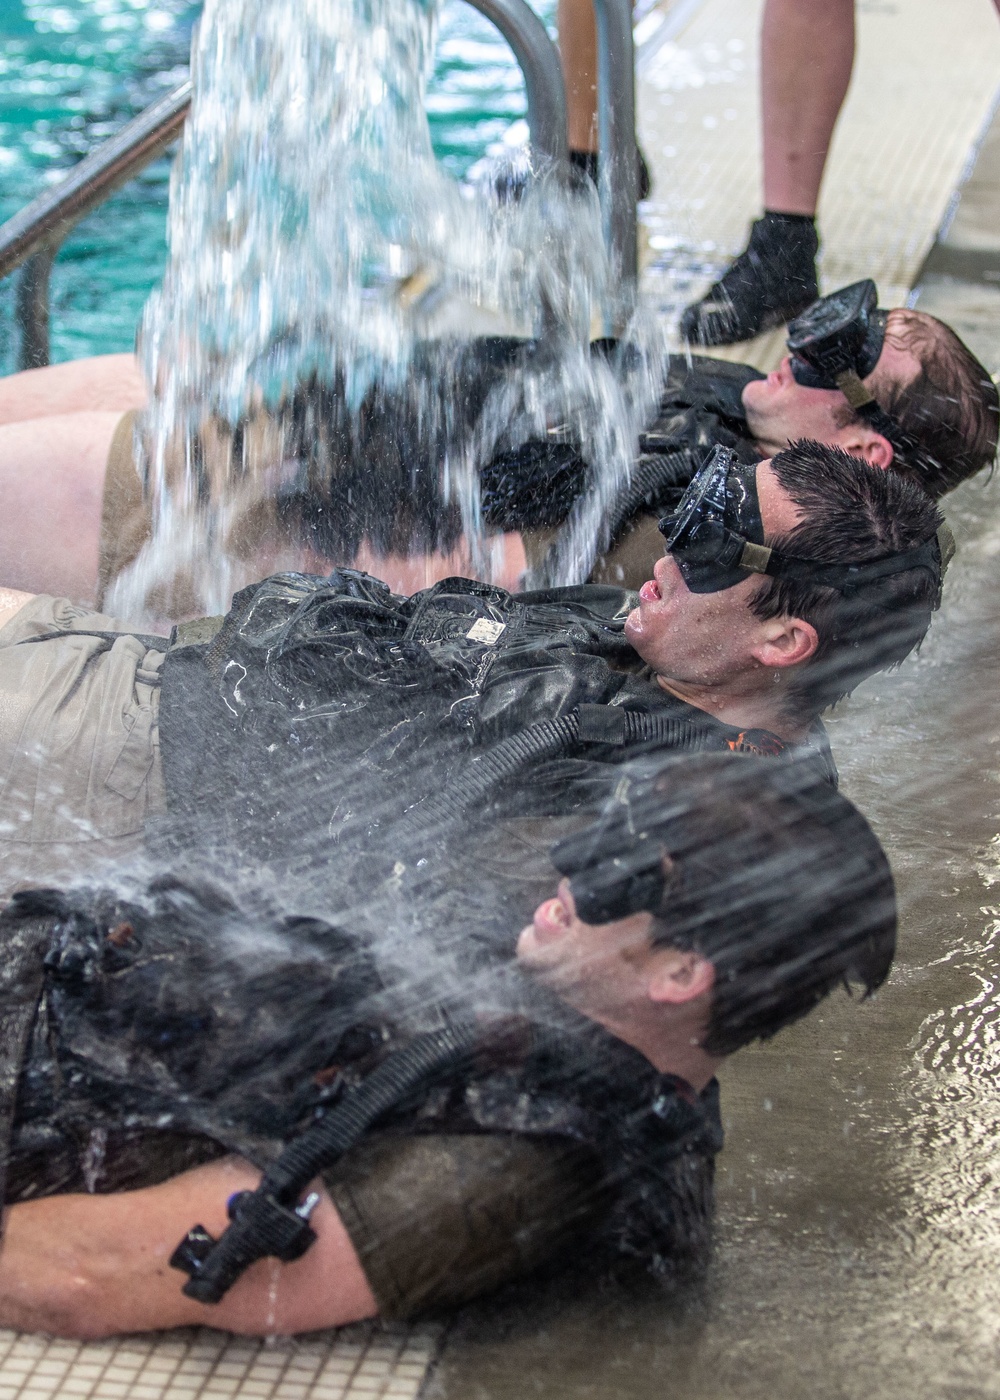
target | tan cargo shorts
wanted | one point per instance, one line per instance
(79, 745)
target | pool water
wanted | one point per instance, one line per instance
(73, 71)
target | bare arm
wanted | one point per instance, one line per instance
(91, 1266)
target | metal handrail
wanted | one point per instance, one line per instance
(33, 236)
(619, 166)
(539, 63)
(47, 220)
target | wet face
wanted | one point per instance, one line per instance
(708, 639)
(597, 962)
(780, 411)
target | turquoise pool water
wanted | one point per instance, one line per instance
(72, 71)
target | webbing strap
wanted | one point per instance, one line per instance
(854, 390)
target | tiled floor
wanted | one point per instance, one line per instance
(923, 89)
(366, 1362)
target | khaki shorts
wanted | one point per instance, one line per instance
(255, 533)
(79, 742)
(126, 518)
(437, 1220)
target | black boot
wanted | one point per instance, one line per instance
(768, 284)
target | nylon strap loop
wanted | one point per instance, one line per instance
(755, 557)
(853, 389)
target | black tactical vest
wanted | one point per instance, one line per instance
(167, 1031)
(329, 714)
(701, 407)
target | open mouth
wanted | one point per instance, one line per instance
(650, 591)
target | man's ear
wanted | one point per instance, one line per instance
(861, 441)
(785, 641)
(678, 975)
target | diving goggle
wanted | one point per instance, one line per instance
(835, 344)
(616, 866)
(716, 537)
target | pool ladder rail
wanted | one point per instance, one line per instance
(31, 239)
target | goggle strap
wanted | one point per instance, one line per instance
(852, 386)
(755, 557)
(865, 403)
(848, 578)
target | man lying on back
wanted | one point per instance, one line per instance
(922, 405)
(428, 1137)
(331, 710)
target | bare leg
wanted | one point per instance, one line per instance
(103, 384)
(51, 488)
(407, 575)
(578, 52)
(807, 52)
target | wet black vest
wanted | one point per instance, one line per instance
(701, 408)
(166, 1031)
(326, 712)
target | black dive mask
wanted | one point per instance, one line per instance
(718, 515)
(716, 538)
(613, 871)
(839, 335)
(835, 343)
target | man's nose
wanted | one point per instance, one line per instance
(665, 568)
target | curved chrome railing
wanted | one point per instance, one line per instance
(32, 237)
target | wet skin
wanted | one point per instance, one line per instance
(564, 952)
(779, 410)
(654, 997)
(710, 649)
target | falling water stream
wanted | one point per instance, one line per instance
(316, 248)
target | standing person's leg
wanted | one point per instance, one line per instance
(806, 57)
(578, 54)
(807, 53)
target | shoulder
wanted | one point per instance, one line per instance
(703, 378)
(602, 600)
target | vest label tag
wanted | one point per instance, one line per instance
(485, 630)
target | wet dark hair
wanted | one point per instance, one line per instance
(950, 412)
(372, 475)
(776, 879)
(382, 473)
(853, 512)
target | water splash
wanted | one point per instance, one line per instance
(315, 244)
